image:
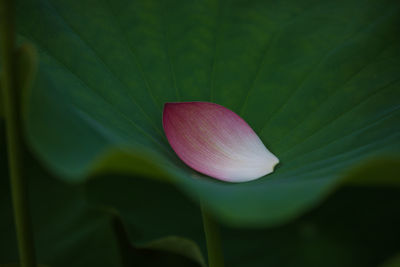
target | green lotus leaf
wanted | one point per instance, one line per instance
(1, 104)
(17, 265)
(392, 262)
(178, 245)
(317, 81)
(355, 226)
(68, 231)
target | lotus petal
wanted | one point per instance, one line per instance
(215, 141)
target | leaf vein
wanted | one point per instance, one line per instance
(335, 92)
(84, 84)
(330, 52)
(106, 67)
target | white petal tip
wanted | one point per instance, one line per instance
(215, 141)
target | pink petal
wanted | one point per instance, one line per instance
(215, 141)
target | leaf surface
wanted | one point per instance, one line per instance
(317, 81)
(68, 231)
(355, 226)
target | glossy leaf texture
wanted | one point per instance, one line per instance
(318, 82)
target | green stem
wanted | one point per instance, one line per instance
(214, 249)
(14, 135)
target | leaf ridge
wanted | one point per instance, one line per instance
(335, 158)
(330, 52)
(266, 51)
(106, 67)
(133, 52)
(167, 48)
(84, 84)
(386, 115)
(216, 34)
(291, 131)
